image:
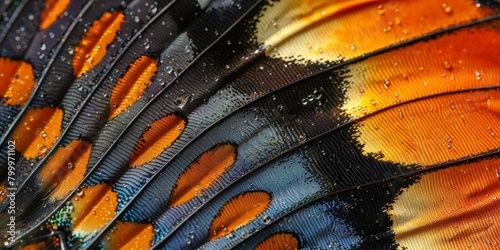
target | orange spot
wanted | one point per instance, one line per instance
(46, 242)
(66, 169)
(37, 131)
(433, 130)
(452, 62)
(17, 81)
(35, 246)
(92, 48)
(94, 207)
(132, 85)
(3, 192)
(355, 27)
(454, 208)
(203, 173)
(52, 10)
(279, 241)
(130, 235)
(238, 212)
(159, 136)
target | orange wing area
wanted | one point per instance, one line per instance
(93, 208)
(66, 169)
(130, 235)
(16, 81)
(434, 130)
(454, 208)
(279, 241)
(132, 85)
(449, 63)
(52, 10)
(203, 173)
(37, 131)
(238, 212)
(159, 136)
(335, 30)
(93, 46)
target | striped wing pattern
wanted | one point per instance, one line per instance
(238, 124)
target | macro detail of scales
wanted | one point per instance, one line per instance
(186, 124)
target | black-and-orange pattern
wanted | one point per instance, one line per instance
(268, 124)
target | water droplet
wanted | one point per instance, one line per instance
(309, 46)
(43, 47)
(386, 83)
(181, 101)
(169, 69)
(266, 219)
(446, 8)
(478, 75)
(70, 165)
(79, 193)
(380, 10)
(447, 65)
(490, 131)
(136, 19)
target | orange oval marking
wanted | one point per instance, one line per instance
(451, 62)
(279, 241)
(94, 207)
(66, 169)
(52, 10)
(132, 85)
(238, 212)
(435, 130)
(159, 136)
(93, 46)
(130, 235)
(37, 131)
(454, 208)
(296, 31)
(203, 173)
(36, 246)
(3, 192)
(17, 81)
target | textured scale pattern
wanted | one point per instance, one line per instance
(250, 124)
